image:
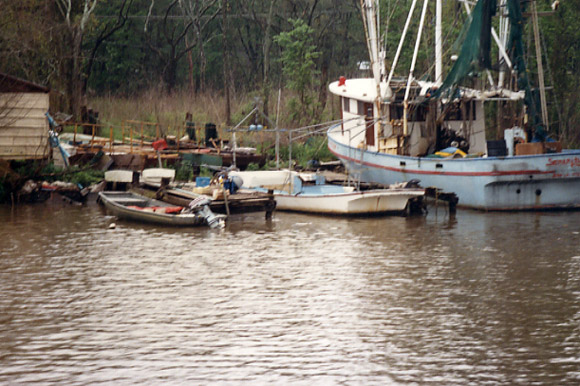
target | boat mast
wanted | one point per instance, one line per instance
(412, 69)
(540, 66)
(369, 9)
(503, 34)
(370, 15)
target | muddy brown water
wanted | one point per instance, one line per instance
(480, 298)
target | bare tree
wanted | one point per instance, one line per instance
(76, 20)
(179, 18)
(226, 63)
(201, 13)
(105, 31)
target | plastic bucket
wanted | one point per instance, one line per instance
(201, 182)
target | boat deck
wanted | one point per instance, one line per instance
(243, 201)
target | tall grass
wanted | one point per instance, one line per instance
(169, 112)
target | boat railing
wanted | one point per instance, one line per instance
(354, 173)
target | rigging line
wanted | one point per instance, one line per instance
(363, 125)
(446, 39)
(388, 23)
(327, 124)
(311, 133)
(550, 75)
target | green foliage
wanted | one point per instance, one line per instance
(80, 176)
(205, 172)
(244, 109)
(184, 171)
(84, 178)
(50, 169)
(561, 29)
(325, 39)
(314, 148)
(298, 55)
(299, 67)
(24, 169)
(253, 167)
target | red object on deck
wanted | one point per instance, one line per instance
(160, 145)
(342, 81)
(158, 209)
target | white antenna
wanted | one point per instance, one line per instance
(438, 44)
(399, 48)
(370, 15)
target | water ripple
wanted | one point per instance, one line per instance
(299, 299)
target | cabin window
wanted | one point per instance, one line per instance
(396, 111)
(360, 108)
(346, 105)
(455, 112)
(417, 113)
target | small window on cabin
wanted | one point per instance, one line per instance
(346, 105)
(455, 112)
(417, 113)
(395, 111)
(360, 108)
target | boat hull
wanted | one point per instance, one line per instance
(119, 204)
(291, 194)
(532, 182)
(355, 203)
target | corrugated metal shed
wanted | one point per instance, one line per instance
(23, 125)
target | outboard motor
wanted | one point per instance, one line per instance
(201, 206)
(212, 219)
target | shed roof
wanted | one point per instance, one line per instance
(10, 83)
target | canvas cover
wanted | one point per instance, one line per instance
(474, 56)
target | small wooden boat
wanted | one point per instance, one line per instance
(131, 206)
(243, 201)
(293, 193)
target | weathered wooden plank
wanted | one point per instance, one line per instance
(24, 151)
(22, 112)
(23, 131)
(23, 141)
(23, 122)
(24, 100)
(29, 141)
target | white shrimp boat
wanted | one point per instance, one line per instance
(306, 192)
(400, 129)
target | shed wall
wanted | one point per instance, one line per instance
(23, 126)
